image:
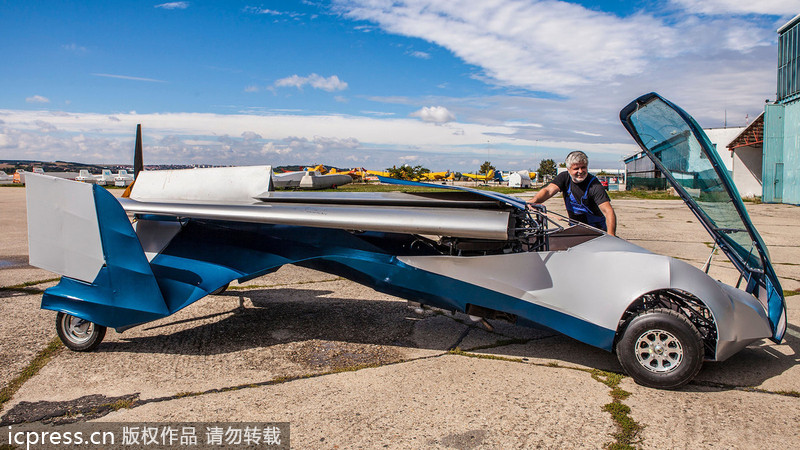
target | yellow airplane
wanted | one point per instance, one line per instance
(318, 168)
(355, 173)
(435, 176)
(379, 173)
(486, 177)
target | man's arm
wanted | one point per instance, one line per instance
(611, 217)
(545, 193)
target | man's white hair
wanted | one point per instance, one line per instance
(576, 157)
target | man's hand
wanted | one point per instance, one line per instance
(536, 206)
(611, 217)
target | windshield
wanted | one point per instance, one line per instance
(668, 136)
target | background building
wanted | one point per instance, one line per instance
(747, 154)
(641, 173)
(781, 164)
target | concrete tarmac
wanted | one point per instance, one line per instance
(349, 367)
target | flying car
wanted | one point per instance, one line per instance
(481, 253)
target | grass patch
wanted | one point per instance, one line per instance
(459, 352)
(642, 195)
(789, 393)
(27, 284)
(187, 394)
(627, 435)
(790, 293)
(126, 403)
(41, 359)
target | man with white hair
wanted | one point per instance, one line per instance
(584, 196)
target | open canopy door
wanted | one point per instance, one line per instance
(683, 153)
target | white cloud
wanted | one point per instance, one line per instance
(252, 88)
(586, 133)
(329, 84)
(555, 46)
(244, 139)
(126, 77)
(718, 7)
(173, 5)
(37, 99)
(515, 123)
(421, 55)
(75, 48)
(271, 12)
(44, 126)
(260, 10)
(378, 113)
(435, 114)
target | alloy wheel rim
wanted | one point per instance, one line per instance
(659, 351)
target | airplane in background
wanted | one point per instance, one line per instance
(106, 178)
(437, 176)
(86, 177)
(520, 179)
(429, 176)
(319, 168)
(379, 173)
(5, 177)
(485, 177)
(309, 179)
(123, 179)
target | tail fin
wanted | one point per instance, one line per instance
(138, 165)
(80, 231)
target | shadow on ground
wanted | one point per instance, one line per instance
(280, 316)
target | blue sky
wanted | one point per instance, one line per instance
(372, 83)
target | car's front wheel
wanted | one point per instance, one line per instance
(78, 334)
(661, 348)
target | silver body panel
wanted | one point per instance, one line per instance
(449, 199)
(597, 281)
(429, 221)
(62, 227)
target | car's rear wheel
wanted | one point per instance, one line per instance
(78, 334)
(661, 348)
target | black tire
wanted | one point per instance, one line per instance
(661, 349)
(220, 289)
(77, 334)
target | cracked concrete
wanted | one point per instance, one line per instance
(351, 367)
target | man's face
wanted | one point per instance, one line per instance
(578, 172)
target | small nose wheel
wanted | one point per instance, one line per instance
(78, 334)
